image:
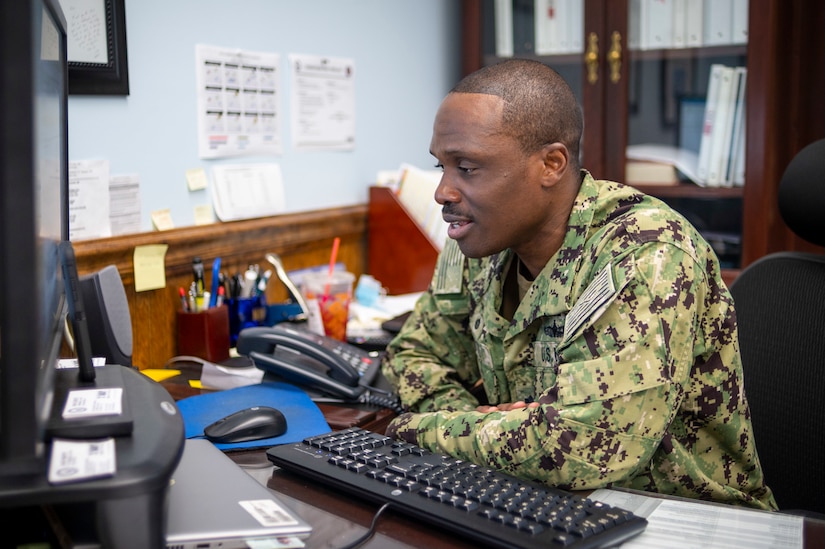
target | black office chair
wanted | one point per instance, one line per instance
(780, 307)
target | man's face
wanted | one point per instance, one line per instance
(490, 190)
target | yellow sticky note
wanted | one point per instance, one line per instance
(159, 374)
(150, 267)
(196, 179)
(203, 214)
(162, 219)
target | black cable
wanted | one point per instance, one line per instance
(369, 533)
(386, 400)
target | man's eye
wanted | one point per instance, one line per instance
(439, 167)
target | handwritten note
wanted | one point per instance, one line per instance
(86, 24)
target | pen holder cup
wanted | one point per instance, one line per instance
(204, 334)
(245, 312)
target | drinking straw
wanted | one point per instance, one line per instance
(332, 256)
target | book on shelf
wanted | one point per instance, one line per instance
(723, 129)
(722, 126)
(653, 164)
(503, 10)
(705, 142)
(735, 175)
(644, 172)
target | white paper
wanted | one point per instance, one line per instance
(75, 460)
(215, 376)
(86, 37)
(245, 191)
(238, 102)
(322, 102)
(89, 199)
(680, 524)
(685, 160)
(124, 204)
(84, 403)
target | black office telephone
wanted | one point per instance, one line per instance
(333, 367)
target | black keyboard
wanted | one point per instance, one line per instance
(488, 506)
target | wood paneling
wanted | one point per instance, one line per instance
(301, 240)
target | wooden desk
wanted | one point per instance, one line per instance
(339, 518)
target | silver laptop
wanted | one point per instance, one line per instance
(214, 503)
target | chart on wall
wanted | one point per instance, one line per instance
(238, 102)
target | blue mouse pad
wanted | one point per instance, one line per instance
(303, 417)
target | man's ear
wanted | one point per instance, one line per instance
(556, 157)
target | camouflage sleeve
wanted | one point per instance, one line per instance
(606, 404)
(431, 362)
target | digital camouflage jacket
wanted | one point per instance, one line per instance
(627, 339)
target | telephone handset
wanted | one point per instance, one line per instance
(331, 366)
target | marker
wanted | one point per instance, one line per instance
(200, 286)
(216, 279)
(184, 302)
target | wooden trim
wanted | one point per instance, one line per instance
(300, 239)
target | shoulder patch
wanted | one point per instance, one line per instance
(449, 270)
(600, 290)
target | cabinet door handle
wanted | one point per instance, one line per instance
(591, 58)
(614, 57)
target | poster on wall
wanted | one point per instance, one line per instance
(238, 98)
(322, 106)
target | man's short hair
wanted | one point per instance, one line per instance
(540, 108)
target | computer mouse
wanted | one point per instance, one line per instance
(248, 424)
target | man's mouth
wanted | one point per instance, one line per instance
(457, 225)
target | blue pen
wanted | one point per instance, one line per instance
(216, 278)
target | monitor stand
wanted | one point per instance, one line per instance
(98, 426)
(129, 507)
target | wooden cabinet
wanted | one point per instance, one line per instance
(400, 254)
(784, 57)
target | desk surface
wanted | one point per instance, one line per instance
(338, 518)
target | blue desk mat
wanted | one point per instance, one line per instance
(303, 417)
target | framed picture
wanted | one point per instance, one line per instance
(96, 47)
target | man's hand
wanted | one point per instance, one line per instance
(506, 407)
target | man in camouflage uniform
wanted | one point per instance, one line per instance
(592, 319)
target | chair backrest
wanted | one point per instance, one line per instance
(780, 309)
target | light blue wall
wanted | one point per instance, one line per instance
(407, 56)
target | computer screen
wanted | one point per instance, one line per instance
(33, 221)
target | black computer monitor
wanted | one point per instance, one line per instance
(33, 221)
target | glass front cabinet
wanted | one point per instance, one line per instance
(677, 95)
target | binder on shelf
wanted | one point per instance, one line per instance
(735, 169)
(679, 19)
(650, 24)
(739, 22)
(694, 22)
(717, 19)
(503, 10)
(659, 23)
(705, 144)
(550, 26)
(575, 26)
(721, 130)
